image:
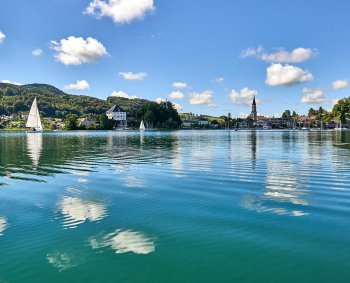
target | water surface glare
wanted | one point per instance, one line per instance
(182, 206)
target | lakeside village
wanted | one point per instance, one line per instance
(117, 119)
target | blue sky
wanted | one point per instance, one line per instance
(209, 57)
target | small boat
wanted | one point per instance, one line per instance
(305, 129)
(142, 126)
(34, 121)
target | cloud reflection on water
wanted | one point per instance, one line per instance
(63, 260)
(76, 211)
(283, 188)
(124, 242)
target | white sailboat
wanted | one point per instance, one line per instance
(34, 121)
(142, 126)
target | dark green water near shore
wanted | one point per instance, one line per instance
(186, 206)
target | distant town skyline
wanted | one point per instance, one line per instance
(208, 58)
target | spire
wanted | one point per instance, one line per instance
(254, 101)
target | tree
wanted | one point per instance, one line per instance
(286, 114)
(71, 122)
(104, 122)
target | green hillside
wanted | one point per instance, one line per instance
(53, 102)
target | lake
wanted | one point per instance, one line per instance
(181, 206)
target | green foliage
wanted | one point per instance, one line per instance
(55, 103)
(286, 114)
(71, 122)
(162, 115)
(104, 122)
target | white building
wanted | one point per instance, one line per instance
(88, 122)
(116, 113)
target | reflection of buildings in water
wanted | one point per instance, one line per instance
(64, 260)
(34, 146)
(282, 186)
(177, 160)
(77, 211)
(253, 138)
(3, 225)
(243, 152)
(200, 157)
(125, 241)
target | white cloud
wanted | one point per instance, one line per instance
(2, 37)
(79, 85)
(218, 80)
(313, 96)
(120, 11)
(180, 85)
(178, 107)
(77, 50)
(37, 52)
(133, 76)
(160, 100)
(204, 98)
(286, 75)
(339, 84)
(297, 55)
(243, 115)
(122, 94)
(9, 82)
(244, 97)
(176, 95)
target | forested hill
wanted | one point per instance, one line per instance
(56, 103)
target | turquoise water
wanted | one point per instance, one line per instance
(185, 206)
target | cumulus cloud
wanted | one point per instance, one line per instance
(340, 84)
(218, 80)
(204, 98)
(180, 85)
(160, 100)
(37, 52)
(120, 11)
(286, 75)
(281, 55)
(9, 82)
(313, 96)
(244, 97)
(122, 94)
(176, 95)
(79, 85)
(2, 37)
(77, 50)
(178, 107)
(133, 76)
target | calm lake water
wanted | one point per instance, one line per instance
(185, 206)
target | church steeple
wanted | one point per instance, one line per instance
(254, 113)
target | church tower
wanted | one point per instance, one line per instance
(254, 114)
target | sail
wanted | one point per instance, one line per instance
(34, 117)
(142, 126)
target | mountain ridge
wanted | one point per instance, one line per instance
(54, 102)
